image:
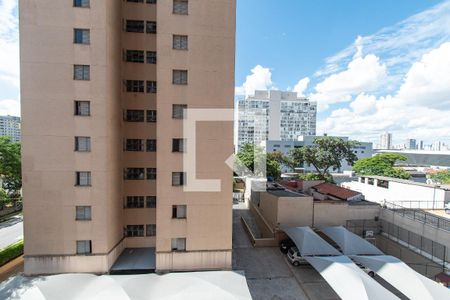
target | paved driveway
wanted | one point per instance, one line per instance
(11, 231)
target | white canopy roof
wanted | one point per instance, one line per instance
(308, 242)
(412, 284)
(350, 243)
(225, 285)
(348, 280)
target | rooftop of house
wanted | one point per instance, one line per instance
(405, 181)
(335, 191)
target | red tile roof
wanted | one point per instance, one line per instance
(293, 185)
(334, 190)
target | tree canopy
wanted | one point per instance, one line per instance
(441, 177)
(10, 166)
(249, 154)
(381, 165)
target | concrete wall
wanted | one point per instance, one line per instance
(295, 211)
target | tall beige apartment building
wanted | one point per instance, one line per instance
(104, 88)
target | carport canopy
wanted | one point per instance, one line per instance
(412, 284)
(308, 242)
(350, 243)
(348, 280)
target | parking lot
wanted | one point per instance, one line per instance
(269, 274)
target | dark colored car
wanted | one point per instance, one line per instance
(285, 245)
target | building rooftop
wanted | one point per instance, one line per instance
(405, 181)
(284, 193)
(335, 191)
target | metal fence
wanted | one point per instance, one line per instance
(420, 215)
(360, 226)
(426, 247)
(420, 204)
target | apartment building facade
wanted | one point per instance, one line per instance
(275, 115)
(105, 86)
(10, 126)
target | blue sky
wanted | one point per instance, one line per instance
(372, 66)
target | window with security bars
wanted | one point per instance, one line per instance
(135, 116)
(151, 173)
(151, 116)
(81, 3)
(180, 77)
(134, 230)
(84, 247)
(150, 230)
(178, 111)
(180, 42)
(134, 145)
(81, 72)
(180, 7)
(82, 108)
(83, 213)
(151, 57)
(82, 144)
(136, 56)
(135, 202)
(83, 179)
(151, 145)
(81, 36)
(151, 87)
(178, 178)
(135, 26)
(134, 174)
(179, 244)
(135, 86)
(178, 145)
(151, 201)
(151, 27)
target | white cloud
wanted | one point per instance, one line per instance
(419, 109)
(428, 81)
(363, 74)
(9, 107)
(9, 58)
(301, 86)
(259, 79)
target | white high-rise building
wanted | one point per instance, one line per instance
(10, 126)
(275, 115)
(386, 140)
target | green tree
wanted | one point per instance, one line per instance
(294, 159)
(10, 166)
(326, 153)
(273, 164)
(381, 165)
(249, 154)
(442, 177)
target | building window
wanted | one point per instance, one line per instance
(135, 230)
(83, 213)
(135, 202)
(179, 211)
(134, 56)
(135, 86)
(135, 26)
(150, 230)
(179, 244)
(151, 145)
(151, 116)
(134, 174)
(178, 111)
(81, 36)
(180, 42)
(151, 27)
(84, 247)
(151, 57)
(135, 116)
(83, 179)
(180, 7)
(151, 87)
(151, 173)
(151, 1)
(151, 201)
(180, 77)
(383, 183)
(82, 108)
(82, 144)
(81, 72)
(178, 178)
(134, 145)
(178, 145)
(370, 181)
(81, 3)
